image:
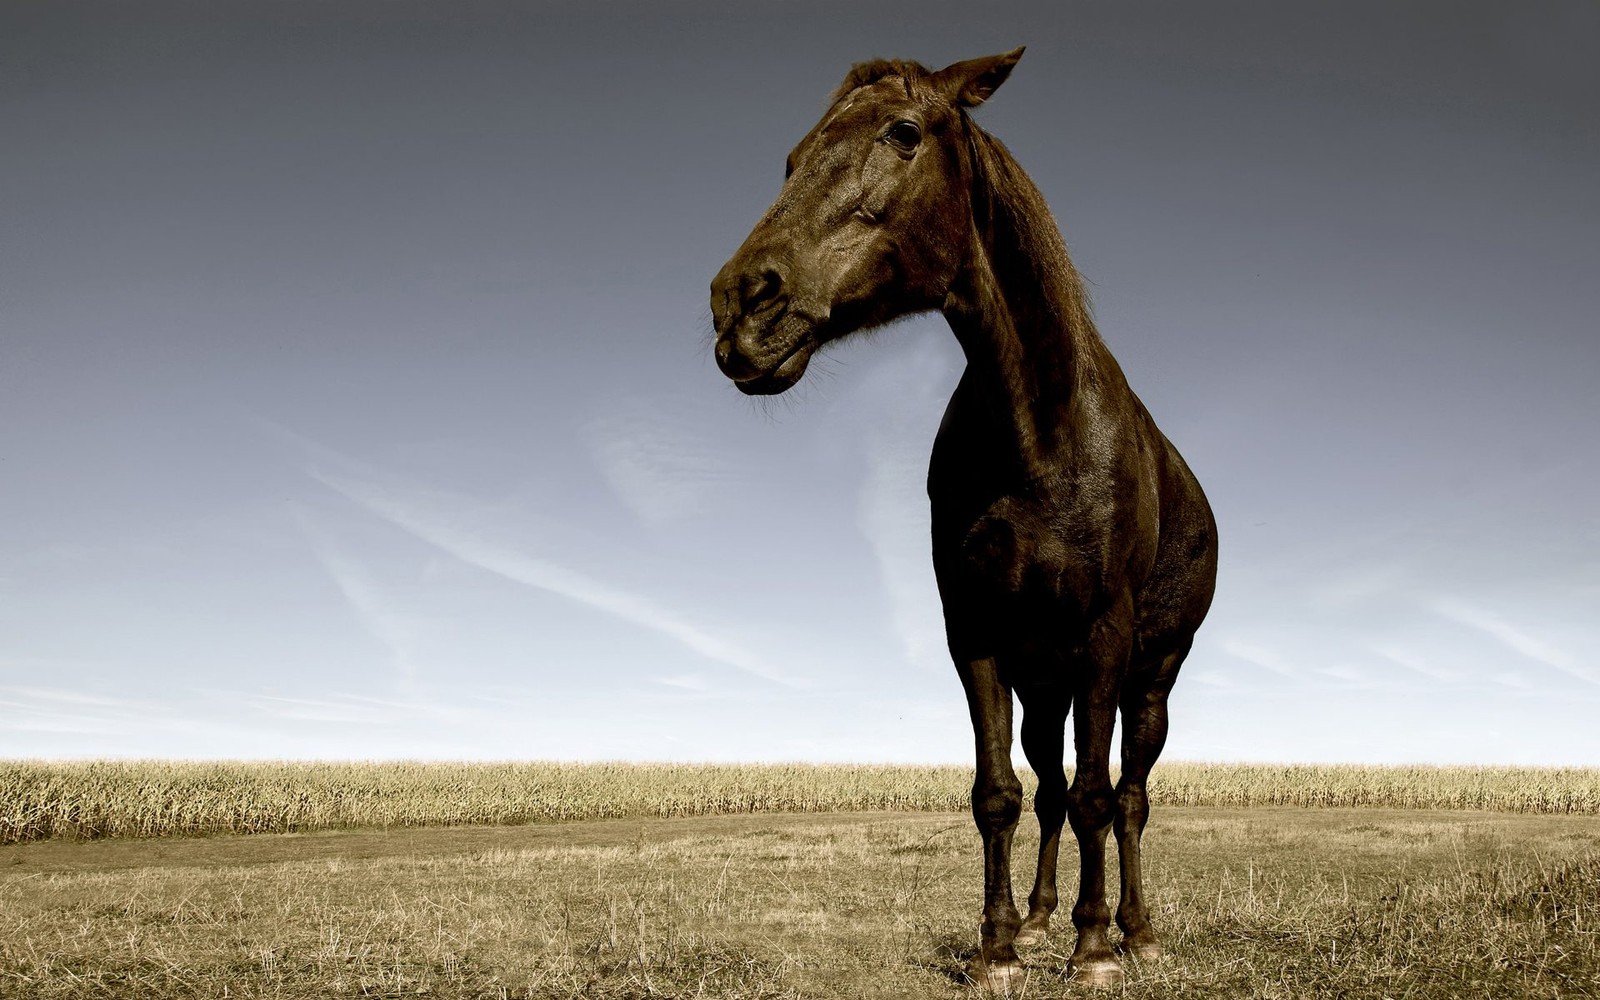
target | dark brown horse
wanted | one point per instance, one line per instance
(1075, 552)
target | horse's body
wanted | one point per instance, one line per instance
(1075, 551)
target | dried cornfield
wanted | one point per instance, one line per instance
(95, 799)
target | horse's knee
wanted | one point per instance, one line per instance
(1091, 806)
(997, 805)
(1133, 806)
(1050, 803)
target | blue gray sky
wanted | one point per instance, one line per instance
(356, 398)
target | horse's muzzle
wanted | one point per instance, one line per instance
(765, 371)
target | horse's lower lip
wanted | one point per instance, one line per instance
(783, 376)
(794, 363)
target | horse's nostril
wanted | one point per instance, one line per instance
(762, 287)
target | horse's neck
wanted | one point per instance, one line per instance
(1019, 310)
(1033, 351)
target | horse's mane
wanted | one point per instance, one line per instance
(1021, 233)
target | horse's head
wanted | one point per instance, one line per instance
(873, 221)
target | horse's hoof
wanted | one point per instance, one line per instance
(1105, 972)
(1145, 952)
(1000, 978)
(1031, 937)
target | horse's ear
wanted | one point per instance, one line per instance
(970, 82)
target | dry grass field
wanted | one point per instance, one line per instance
(1268, 902)
(766, 882)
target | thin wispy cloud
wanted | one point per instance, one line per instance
(431, 521)
(372, 610)
(1413, 661)
(352, 709)
(1349, 674)
(662, 472)
(892, 505)
(1513, 637)
(1260, 655)
(334, 709)
(25, 708)
(31, 694)
(891, 516)
(686, 682)
(1214, 678)
(1353, 585)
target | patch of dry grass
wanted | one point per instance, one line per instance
(1258, 903)
(98, 799)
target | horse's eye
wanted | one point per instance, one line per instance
(906, 135)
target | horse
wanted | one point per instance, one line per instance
(1074, 550)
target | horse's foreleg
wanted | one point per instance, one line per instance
(1144, 733)
(996, 804)
(1091, 804)
(1044, 719)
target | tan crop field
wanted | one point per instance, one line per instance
(1259, 901)
(163, 798)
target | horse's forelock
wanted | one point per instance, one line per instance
(865, 73)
